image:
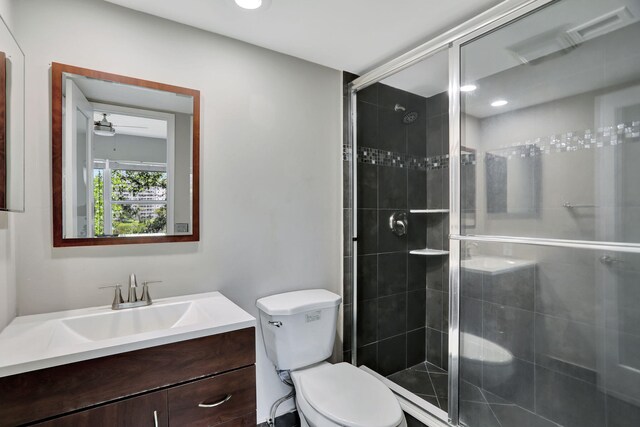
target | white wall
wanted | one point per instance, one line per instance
(8, 299)
(271, 166)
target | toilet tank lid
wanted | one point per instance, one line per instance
(295, 302)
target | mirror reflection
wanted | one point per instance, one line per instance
(513, 182)
(11, 122)
(555, 118)
(127, 160)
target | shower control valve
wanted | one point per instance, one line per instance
(398, 223)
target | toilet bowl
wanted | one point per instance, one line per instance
(343, 395)
(298, 329)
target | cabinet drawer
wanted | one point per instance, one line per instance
(214, 400)
(147, 410)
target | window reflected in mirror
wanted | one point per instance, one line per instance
(128, 160)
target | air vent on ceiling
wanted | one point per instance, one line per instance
(601, 25)
(543, 46)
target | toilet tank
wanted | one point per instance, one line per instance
(299, 328)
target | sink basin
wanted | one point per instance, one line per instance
(45, 340)
(139, 320)
(494, 265)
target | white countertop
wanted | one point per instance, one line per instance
(494, 265)
(40, 341)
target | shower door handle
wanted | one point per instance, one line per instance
(608, 260)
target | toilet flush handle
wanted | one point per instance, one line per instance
(275, 323)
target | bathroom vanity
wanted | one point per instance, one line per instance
(197, 369)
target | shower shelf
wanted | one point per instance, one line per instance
(428, 211)
(429, 252)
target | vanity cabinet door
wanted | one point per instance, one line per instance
(228, 398)
(147, 410)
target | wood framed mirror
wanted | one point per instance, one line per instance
(125, 159)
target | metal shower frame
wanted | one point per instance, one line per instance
(452, 41)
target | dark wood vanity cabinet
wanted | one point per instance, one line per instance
(207, 381)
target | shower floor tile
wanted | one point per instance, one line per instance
(478, 407)
(426, 381)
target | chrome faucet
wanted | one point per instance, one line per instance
(466, 249)
(132, 291)
(132, 294)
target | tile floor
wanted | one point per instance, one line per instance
(427, 381)
(478, 407)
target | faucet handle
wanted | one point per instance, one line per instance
(117, 298)
(145, 290)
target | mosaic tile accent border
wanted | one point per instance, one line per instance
(346, 152)
(607, 136)
(374, 156)
(468, 159)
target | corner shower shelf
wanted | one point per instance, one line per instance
(428, 211)
(429, 252)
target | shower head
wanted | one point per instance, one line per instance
(410, 117)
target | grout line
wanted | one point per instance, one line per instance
(489, 406)
(434, 389)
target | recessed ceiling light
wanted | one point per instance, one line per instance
(249, 4)
(499, 103)
(468, 88)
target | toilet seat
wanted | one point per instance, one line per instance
(346, 396)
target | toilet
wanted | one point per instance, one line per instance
(298, 329)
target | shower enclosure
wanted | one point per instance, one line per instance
(492, 219)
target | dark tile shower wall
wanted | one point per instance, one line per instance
(397, 165)
(391, 284)
(437, 267)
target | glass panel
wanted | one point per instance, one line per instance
(551, 106)
(12, 108)
(549, 336)
(138, 185)
(98, 202)
(402, 325)
(132, 219)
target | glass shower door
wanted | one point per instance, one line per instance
(548, 204)
(402, 203)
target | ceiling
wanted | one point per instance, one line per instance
(493, 64)
(359, 35)
(134, 125)
(351, 35)
(102, 94)
(107, 92)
